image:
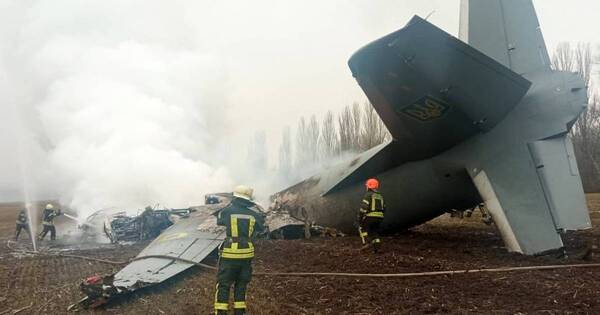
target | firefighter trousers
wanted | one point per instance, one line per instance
(236, 272)
(370, 227)
(48, 228)
(21, 226)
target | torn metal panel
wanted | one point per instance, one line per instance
(283, 224)
(147, 225)
(182, 240)
(279, 216)
(188, 241)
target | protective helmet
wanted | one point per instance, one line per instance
(372, 183)
(243, 192)
(49, 206)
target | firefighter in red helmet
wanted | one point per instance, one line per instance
(371, 214)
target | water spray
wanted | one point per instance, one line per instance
(25, 174)
(71, 217)
(29, 208)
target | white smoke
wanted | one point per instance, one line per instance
(137, 102)
(128, 106)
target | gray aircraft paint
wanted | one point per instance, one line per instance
(191, 239)
(486, 122)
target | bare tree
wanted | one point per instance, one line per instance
(285, 153)
(586, 132)
(313, 133)
(359, 128)
(329, 137)
(374, 131)
(346, 130)
(583, 61)
(301, 143)
(586, 141)
(563, 58)
(356, 127)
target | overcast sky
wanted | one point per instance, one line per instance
(259, 65)
(305, 71)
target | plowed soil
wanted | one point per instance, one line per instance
(47, 285)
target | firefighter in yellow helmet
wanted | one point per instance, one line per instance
(48, 222)
(242, 221)
(371, 214)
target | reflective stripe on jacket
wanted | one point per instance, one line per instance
(372, 205)
(241, 224)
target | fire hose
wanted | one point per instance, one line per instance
(385, 275)
(330, 274)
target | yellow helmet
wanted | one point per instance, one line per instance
(49, 206)
(243, 192)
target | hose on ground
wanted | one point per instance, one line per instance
(384, 275)
(24, 251)
(328, 274)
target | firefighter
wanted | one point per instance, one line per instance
(370, 215)
(48, 222)
(22, 223)
(235, 262)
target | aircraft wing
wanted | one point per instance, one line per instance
(191, 239)
(506, 30)
(176, 249)
(432, 90)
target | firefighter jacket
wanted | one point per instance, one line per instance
(242, 224)
(49, 215)
(372, 205)
(22, 218)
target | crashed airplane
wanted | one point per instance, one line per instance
(486, 121)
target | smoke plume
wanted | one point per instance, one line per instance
(129, 110)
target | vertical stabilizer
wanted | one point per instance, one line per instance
(506, 30)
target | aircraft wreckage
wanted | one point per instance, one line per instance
(485, 119)
(186, 242)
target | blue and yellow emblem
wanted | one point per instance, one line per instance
(426, 109)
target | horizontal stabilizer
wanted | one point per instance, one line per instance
(432, 90)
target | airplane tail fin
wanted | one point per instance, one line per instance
(506, 30)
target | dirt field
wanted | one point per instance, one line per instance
(47, 285)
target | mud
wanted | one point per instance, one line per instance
(50, 284)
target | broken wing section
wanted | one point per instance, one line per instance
(432, 90)
(510, 187)
(506, 30)
(190, 239)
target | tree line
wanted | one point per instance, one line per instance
(355, 129)
(358, 127)
(586, 131)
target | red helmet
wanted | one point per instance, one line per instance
(372, 183)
